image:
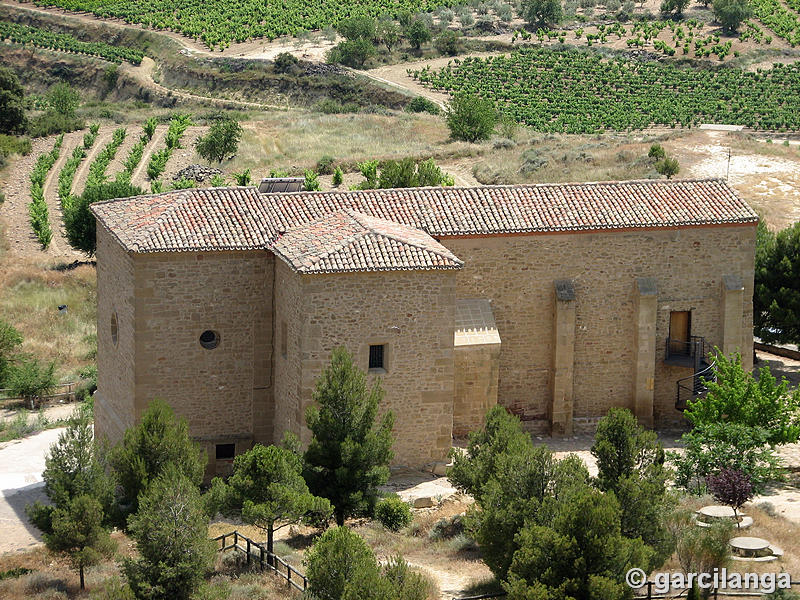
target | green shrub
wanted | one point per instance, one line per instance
(10, 144)
(338, 558)
(183, 184)
(52, 123)
(657, 152)
(242, 178)
(32, 379)
(447, 43)
(325, 165)
(338, 176)
(393, 513)
(286, 63)
(447, 528)
(422, 104)
(471, 118)
(329, 106)
(218, 181)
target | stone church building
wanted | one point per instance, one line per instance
(557, 301)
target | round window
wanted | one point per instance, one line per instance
(209, 339)
(114, 328)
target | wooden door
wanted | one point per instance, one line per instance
(679, 331)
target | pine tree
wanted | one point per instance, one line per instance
(78, 531)
(267, 488)
(348, 457)
(171, 534)
(74, 467)
(159, 440)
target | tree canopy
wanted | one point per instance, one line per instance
(348, 457)
(221, 141)
(267, 489)
(776, 301)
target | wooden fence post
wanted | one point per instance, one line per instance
(261, 557)
(248, 551)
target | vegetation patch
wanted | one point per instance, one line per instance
(574, 91)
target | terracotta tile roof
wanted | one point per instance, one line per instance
(346, 240)
(238, 218)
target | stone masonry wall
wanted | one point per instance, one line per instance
(289, 322)
(476, 379)
(113, 406)
(224, 393)
(517, 274)
(412, 313)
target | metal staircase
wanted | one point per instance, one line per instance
(690, 354)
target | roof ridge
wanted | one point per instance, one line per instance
(548, 184)
(356, 214)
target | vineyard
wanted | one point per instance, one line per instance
(41, 38)
(578, 91)
(221, 22)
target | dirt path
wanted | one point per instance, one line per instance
(59, 246)
(132, 133)
(143, 75)
(82, 174)
(139, 177)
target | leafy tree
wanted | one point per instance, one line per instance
(667, 167)
(388, 33)
(580, 554)
(776, 302)
(78, 531)
(79, 222)
(736, 396)
(418, 33)
(713, 447)
(12, 107)
(31, 379)
(731, 487)
(74, 467)
(541, 13)
(703, 549)
(731, 13)
(340, 566)
(171, 533)
(267, 487)
(63, 99)
(149, 448)
(221, 141)
(357, 28)
(673, 7)
(348, 457)
(352, 53)
(10, 340)
(447, 43)
(471, 118)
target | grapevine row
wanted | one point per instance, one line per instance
(577, 91)
(221, 22)
(37, 209)
(67, 174)
(41, 38)
(158, 161)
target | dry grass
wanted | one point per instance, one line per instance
(777, 530)
(29, 296)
